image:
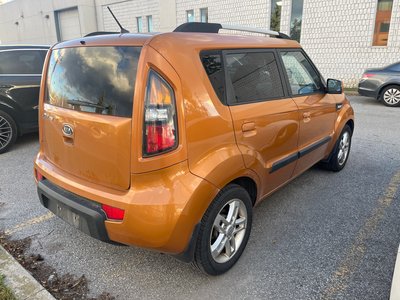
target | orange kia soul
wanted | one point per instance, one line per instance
(168, 141)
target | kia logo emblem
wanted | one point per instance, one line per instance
(67, 130)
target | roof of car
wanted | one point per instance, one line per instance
(21, 46)
(184, 39)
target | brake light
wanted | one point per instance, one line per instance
(159, 130)
(368, 75)
(113, 213)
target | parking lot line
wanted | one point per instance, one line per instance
(28, 223)
(351, 261)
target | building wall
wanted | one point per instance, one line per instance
(163, 13)
(22, 22)
(126, 12)
(337, 35)
(244, 12)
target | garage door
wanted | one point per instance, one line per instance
(68, 24)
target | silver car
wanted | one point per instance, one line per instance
(382, 84)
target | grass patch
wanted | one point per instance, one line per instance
(5, 292)
(351, 91)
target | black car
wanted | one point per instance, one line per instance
(382, 84)
(20, 75)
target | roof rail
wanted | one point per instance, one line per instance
(216, 27)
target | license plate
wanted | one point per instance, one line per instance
(67, 215)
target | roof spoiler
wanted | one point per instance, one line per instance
(101, 33)
(216, 27)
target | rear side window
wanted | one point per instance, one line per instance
(212, 63)
(254, 76)
(97, 80)
(22, 62)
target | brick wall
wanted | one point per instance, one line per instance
(127, 12)
(244, 12)
(338, 35)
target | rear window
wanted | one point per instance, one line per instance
(22, 62)
(97, 80)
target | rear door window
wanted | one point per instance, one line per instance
(22, 62)
(253, 76)
(97, 80)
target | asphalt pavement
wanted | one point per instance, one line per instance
(323, 236)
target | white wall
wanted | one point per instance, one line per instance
(27, 21)
(245, 12)
(338, 35)
(126, 12)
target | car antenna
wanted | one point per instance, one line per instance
(123, 30)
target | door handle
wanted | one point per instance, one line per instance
(249, 126)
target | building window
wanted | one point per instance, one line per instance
(139, 24)
(276, 8)
(190, 15)
(204, 15)
(296, 19)
(382, 22)
(149, 23)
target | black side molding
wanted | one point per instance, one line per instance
(284, 162)
(314, 146)
(293, 157)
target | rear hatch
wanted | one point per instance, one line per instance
(87, 116)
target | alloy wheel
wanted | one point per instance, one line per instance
(392, 96)
(5, 132)
(228, 231)
(344, 146)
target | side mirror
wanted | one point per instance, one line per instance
(334, 86)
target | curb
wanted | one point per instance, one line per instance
(20, 281)
(395, 290)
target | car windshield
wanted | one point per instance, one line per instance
(98, 80)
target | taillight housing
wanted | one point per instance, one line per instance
(367, 75)
(160, 126)
(113, 213)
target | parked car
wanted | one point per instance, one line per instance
(382, 84)
(168, 141)
(20, 75)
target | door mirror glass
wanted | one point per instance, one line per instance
(334, 86)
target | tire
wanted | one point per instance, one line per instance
(390, 96)
(341, 151)
(227, 224)
(8, 132)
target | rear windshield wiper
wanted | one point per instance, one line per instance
(86, 103)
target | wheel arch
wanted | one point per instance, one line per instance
(249, 185)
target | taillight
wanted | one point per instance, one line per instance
(367, 75)
(113, 213)
(159, 128)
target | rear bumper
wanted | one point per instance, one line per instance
(162, 208)
(79, 212)
(365, 89)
